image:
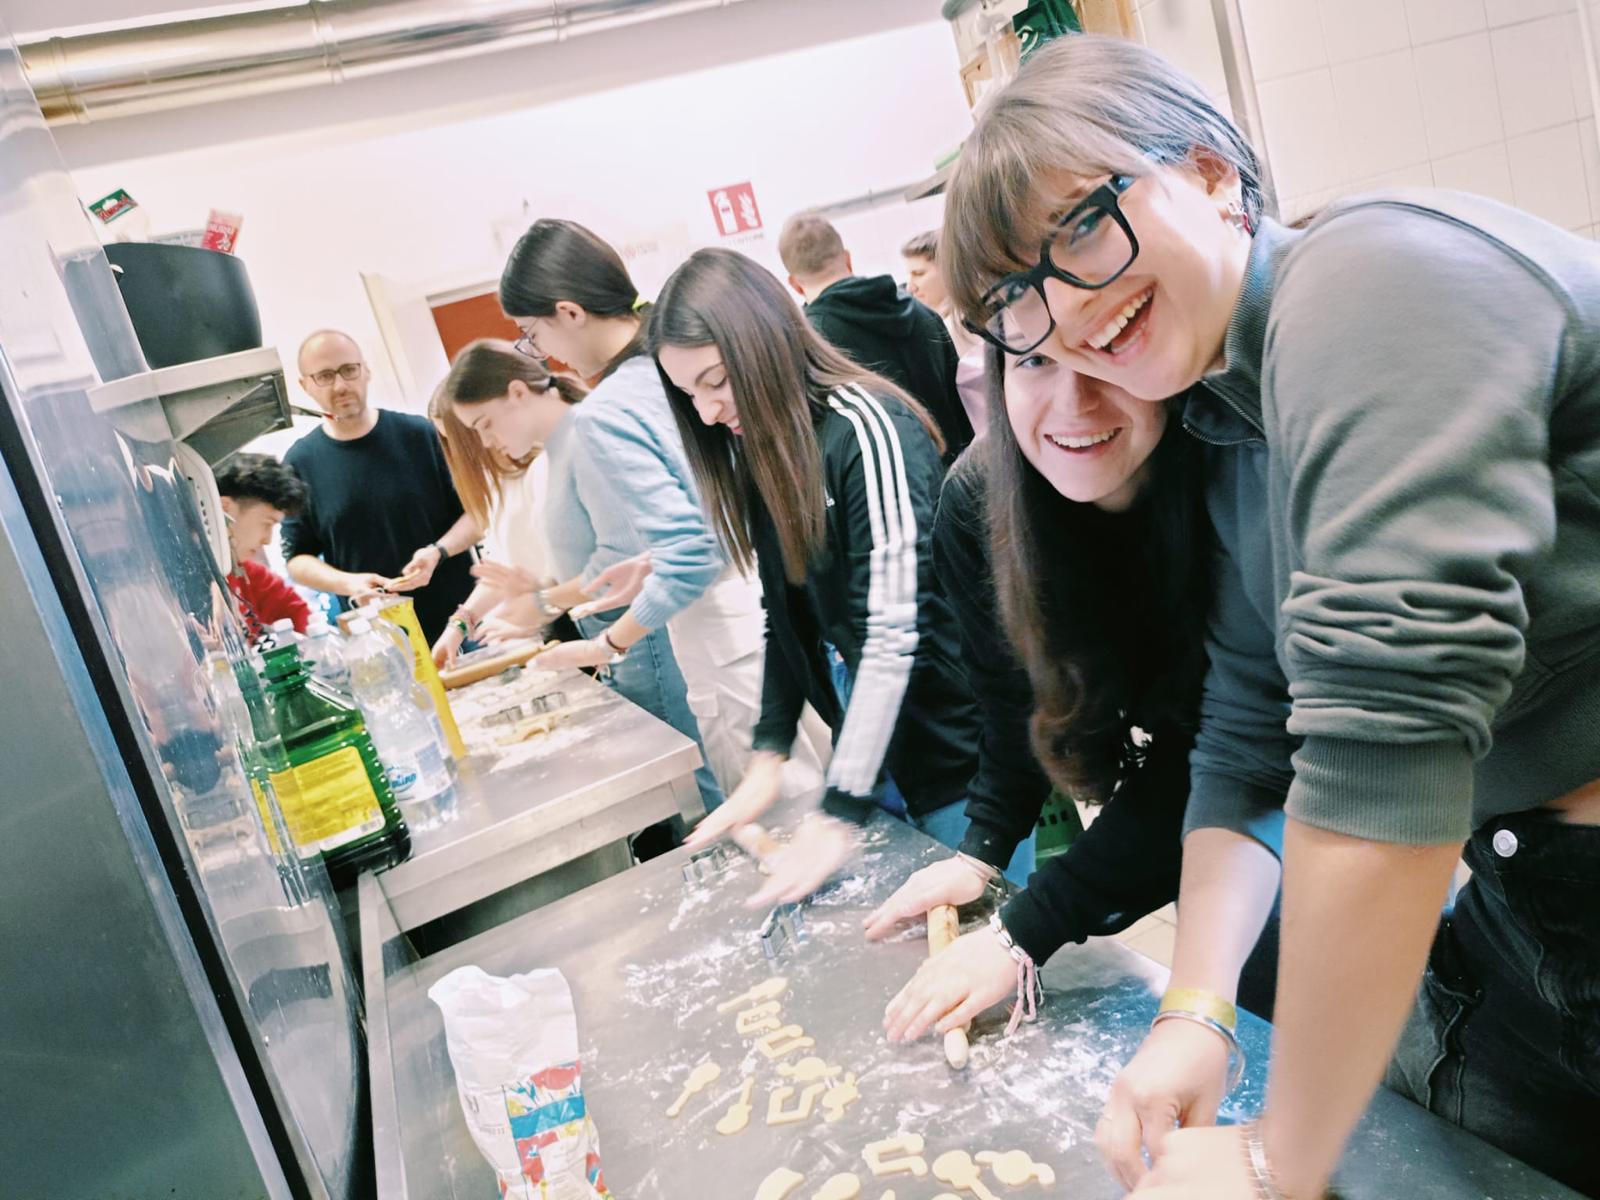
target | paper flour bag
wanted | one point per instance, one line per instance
(514, 1046)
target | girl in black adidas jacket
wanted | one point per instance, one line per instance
(826, 476)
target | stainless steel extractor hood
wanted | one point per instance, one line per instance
(107, 73)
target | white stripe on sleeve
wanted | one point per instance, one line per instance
(888, 650)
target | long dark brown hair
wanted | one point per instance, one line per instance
(781, 373)
(562, 260)
(1106, 610)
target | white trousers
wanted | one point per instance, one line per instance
(720, 643)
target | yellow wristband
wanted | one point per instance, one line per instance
(1201, 1003)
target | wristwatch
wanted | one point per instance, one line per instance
(443, 553)
(541, 600)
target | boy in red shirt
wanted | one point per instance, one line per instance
(257, 492)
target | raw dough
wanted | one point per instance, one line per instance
(762, 1018)
(839, 1097)
(738, 1114)
(699, 1079)
(956, 1168)
(778, 1115)
(1013, 1168)
(897, 1155)
(767, 989)
(785, 1041)
(808, 1070)
(840, 1187)
(533, 726)
(779, 1184)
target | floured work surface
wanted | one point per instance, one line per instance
(651, 958)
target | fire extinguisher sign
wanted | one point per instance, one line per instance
(734, 209)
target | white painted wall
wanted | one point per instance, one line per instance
(429, 191)
(1486, 96)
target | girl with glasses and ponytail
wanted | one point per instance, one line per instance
(822, 476)
(1400, 411)
(624, 519)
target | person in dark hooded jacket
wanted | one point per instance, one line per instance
(875, 323)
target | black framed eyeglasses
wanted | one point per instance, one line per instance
(349, 372)
(526, 345)
(1088, 248)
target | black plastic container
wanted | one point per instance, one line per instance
(185, 303)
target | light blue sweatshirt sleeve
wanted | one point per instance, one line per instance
(631, 454)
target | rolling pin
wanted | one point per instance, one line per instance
(757, 843)
(944, 928)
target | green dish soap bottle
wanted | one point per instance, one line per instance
(340, 805)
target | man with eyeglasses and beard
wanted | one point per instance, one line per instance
(383, 515)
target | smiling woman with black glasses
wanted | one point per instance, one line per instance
(1401, 405)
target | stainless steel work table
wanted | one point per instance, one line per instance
(523, 810)
(649, 957)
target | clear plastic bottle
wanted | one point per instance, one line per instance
(323, 651)
(398, 651)
(414, 758)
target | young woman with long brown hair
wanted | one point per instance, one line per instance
(503, 496)
(1403, 402)
(571, 293)
(823, 476)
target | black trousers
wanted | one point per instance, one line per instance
(1504, 1040)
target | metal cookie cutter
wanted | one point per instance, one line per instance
(509, 715)
(705, 865)
(548, 702)
(784, 927)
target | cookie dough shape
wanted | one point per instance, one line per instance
(761, 1018)
(1013, 1168)
(784, 1041)
(738, 1114)
(899, 1155)
(699, 1079)
(779, 1184)
(840, 1187)
(808, 1070)
(956, 1168)
(767, 989)
(777, 1114)
(839, 1098)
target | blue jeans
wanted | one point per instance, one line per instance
(948, 824)
(649, 677)
(1504, 1039)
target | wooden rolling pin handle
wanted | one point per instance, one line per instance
(943, 928)
(756, 841)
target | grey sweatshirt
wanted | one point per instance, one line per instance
(1406, 492)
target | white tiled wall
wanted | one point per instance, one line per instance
(1489, 96)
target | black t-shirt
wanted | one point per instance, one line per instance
(375, 502)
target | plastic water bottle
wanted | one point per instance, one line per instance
(414, 759)
(325, 655)
(398, 649)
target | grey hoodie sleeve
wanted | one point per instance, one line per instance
(1411, 367)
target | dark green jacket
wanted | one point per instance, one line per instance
(1406, 492)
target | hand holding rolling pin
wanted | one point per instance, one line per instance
(757, 791)
(974, 972)
(958, 880)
